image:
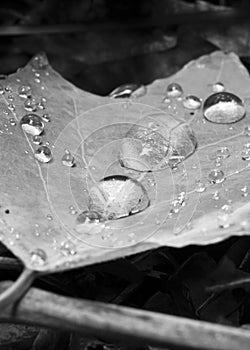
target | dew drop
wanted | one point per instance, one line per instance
(10, 98)
(2, 91)
(68, 160)
(222, 153)
(46, 118)
(89, 222)
(216, 176)
(174, 90)
(49, 217)
(43, 154)
(37, 80)
(223, 220)
(11, 107)
(68, 248)
(40, 61)
(247, 131)
(216, 195)
(128, 90)
(244, 191)
(30, 104)
(118, 196)
(37, 140)
(218, 87)
(192, 102)
(72, 210)
(223, 108)
(38, 257)
(12, 122)
(200, 187)
(24, 91)
(245, 154)
(32, 124)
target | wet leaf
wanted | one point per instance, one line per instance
(42, 197)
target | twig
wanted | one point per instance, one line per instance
(17, 289)
(127, 324)
(195, 17)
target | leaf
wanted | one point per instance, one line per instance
(37, 199)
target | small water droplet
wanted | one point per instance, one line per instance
(37, 140)
(174, 90)
(192, 102)
(88, 222)
(128, 90)
(32, 124)
(2, 91)
(12, 122)
(43, 154)
(166, 100)
(223, 220)
(30, 104)
(46, 118)
(222, 153)
(223, 108)
(247, 131)
(216, 176)
(10, 98)
(37, 80)
(40, 61)
(24, 91)
(11, 107)
(244, 191)
(216, 195)
(8, 88)
(38, 257)
(200, 187)
(68, 160)
(245, 154)
(72, 210)
(218, 87)
(49, 217)
(68, 248)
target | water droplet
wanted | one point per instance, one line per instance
(10, 98)
(245, 154)
(216, 195)
(218, 87)
(222, 153)
(247, 131)
(32, 124)
(244, 191)
(166, 100)
(49, 217)
(89, 222)
(192, 102)
(30, 104)
(8, 88)
(118, 196)
(226, 208)
(72, 210)
(2, 91)
(12, 122)
(37, 80)
(68, 248)
(38, 257)
(43, 154)
(11, 107)
(128, 90)
(200, 187)
(46, 118)
(68, 159)
(40, 61)
(223, 220)
(24, 91)
(223, 108)
(216, 176)
(37, 140)
(174, 90)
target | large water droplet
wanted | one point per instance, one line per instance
(223, 108)
(118, 196)
(192, 102)
(68, 159)
(38, 257)
(216, 176)
(174, 90)
(128, 90)
(43, 154)
(218, 87)
(24, 91)
(40, 61)
(32, 124)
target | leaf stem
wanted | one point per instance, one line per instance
(18, 288)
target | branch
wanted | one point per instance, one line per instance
(122, 323)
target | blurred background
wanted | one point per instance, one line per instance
(101, 44)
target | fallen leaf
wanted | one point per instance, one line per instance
(39, 200)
